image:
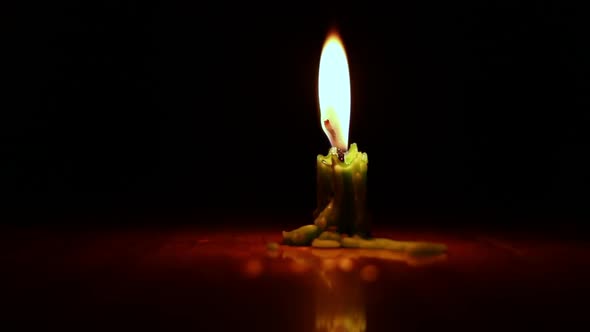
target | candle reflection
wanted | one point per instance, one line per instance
(341, 276)
(341, 305)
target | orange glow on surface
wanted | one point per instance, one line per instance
(253, 268)
(345, 264)
(300, 266)
(334, 91)
(369, 273)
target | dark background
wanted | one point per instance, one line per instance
(467, 110)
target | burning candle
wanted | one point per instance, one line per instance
(342, 173)
(341, 219)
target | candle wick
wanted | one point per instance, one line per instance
(334, 139)
(330, 130)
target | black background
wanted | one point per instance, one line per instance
(475, 110)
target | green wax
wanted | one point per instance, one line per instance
(341, 191)
(324, 183)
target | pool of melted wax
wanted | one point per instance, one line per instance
(217, 280)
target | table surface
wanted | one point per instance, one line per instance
(227, 279)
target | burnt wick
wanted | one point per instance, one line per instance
(334, 139)
(340, 154)
(330, 130)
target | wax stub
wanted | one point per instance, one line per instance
(413, 248)
(425, 249)
(327, 235)
(301, 236)
(318, 243)
(391, 244)
(350, 242)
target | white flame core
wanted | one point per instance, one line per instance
(334, 91)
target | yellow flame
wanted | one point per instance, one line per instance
(334, 91)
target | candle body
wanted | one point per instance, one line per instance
(342, 192)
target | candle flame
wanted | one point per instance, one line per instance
(334, 91)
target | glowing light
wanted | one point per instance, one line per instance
(369, 273)
(328, 264)
(345, 264)
(253, 268)
(334, 92)
(352, 322)
(299, 265)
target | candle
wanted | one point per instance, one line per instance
(342, 192)
(342, 173)
(341, 219)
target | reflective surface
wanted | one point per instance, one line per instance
(229, 279)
